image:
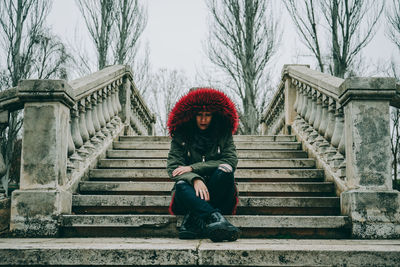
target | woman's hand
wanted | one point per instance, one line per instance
(181, 170)
(201, 189)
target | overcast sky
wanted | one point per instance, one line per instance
(176, 31)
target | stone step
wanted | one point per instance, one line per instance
(175, 252)
(239, 145)
(242, 221)
(245, 188)
(153, 204)
(242, 154)
(244, 163)
(166, 225)
(236, 138)
(240, 174)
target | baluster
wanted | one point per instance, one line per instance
(331, 120)
(299, 100)
(100, 114)
(75, 132)
(318, 116)
(313, 107)
(114, 99)
(324, 118)
(119, 109)
(309, 105)
(106, 112)
(95, 118)
(296, 102)
(82, 125)
(337, 133)
(110, 104)
(321, 143)
(312, 134)
(303, 102)
(89, 121)
(317, 123)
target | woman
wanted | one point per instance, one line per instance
(202, 161)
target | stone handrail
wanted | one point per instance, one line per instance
(67, 127)
(344, 125)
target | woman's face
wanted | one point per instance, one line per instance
(203, 119)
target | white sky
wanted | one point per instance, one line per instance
(176, 31)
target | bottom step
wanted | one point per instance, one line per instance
(158, 251)
(166, 226)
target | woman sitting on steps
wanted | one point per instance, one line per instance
(202, 160)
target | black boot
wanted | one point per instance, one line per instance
(192, 227)
(219, 229)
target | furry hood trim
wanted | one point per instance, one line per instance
(202, 99)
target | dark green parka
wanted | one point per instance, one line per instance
(182, 153)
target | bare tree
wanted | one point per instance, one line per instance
(393, 17)
(167, 86)
(142, 74)
(306, 21)
(243, 38)
(350, 26)
(131, 19)
(99, 17)
(115, 28)
(31, 51)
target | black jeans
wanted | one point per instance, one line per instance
(221, 187)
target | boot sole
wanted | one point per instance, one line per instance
(224, 234)
(189, 235)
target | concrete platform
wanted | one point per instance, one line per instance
(175, 252)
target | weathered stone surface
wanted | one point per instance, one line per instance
(148, 200)
(242, 154)
(239, 145)
(133, 252)
(241, 186)
(44, 146)
(259, 252)
(239, 173)
(375, 214)
(242, 221)
(244, 163)
(5, 204)
(46, 91)
(175, 252)
(368, 163)
(236, 138)
(35, 212)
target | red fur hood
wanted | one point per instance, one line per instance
(202, 99)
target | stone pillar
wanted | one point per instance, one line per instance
(125, 100)
(36, 206)
(372, 205)
(290, 99)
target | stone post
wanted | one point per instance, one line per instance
(36, 206)
(125, 100)
(290, 99)
(372, 205)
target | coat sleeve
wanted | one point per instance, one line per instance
(176, 158)
(228, 156)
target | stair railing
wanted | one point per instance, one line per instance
(344, 125)
(67, 127)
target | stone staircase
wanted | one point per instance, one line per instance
(282, 194)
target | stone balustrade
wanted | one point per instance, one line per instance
(67, 128)
(344, 125)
